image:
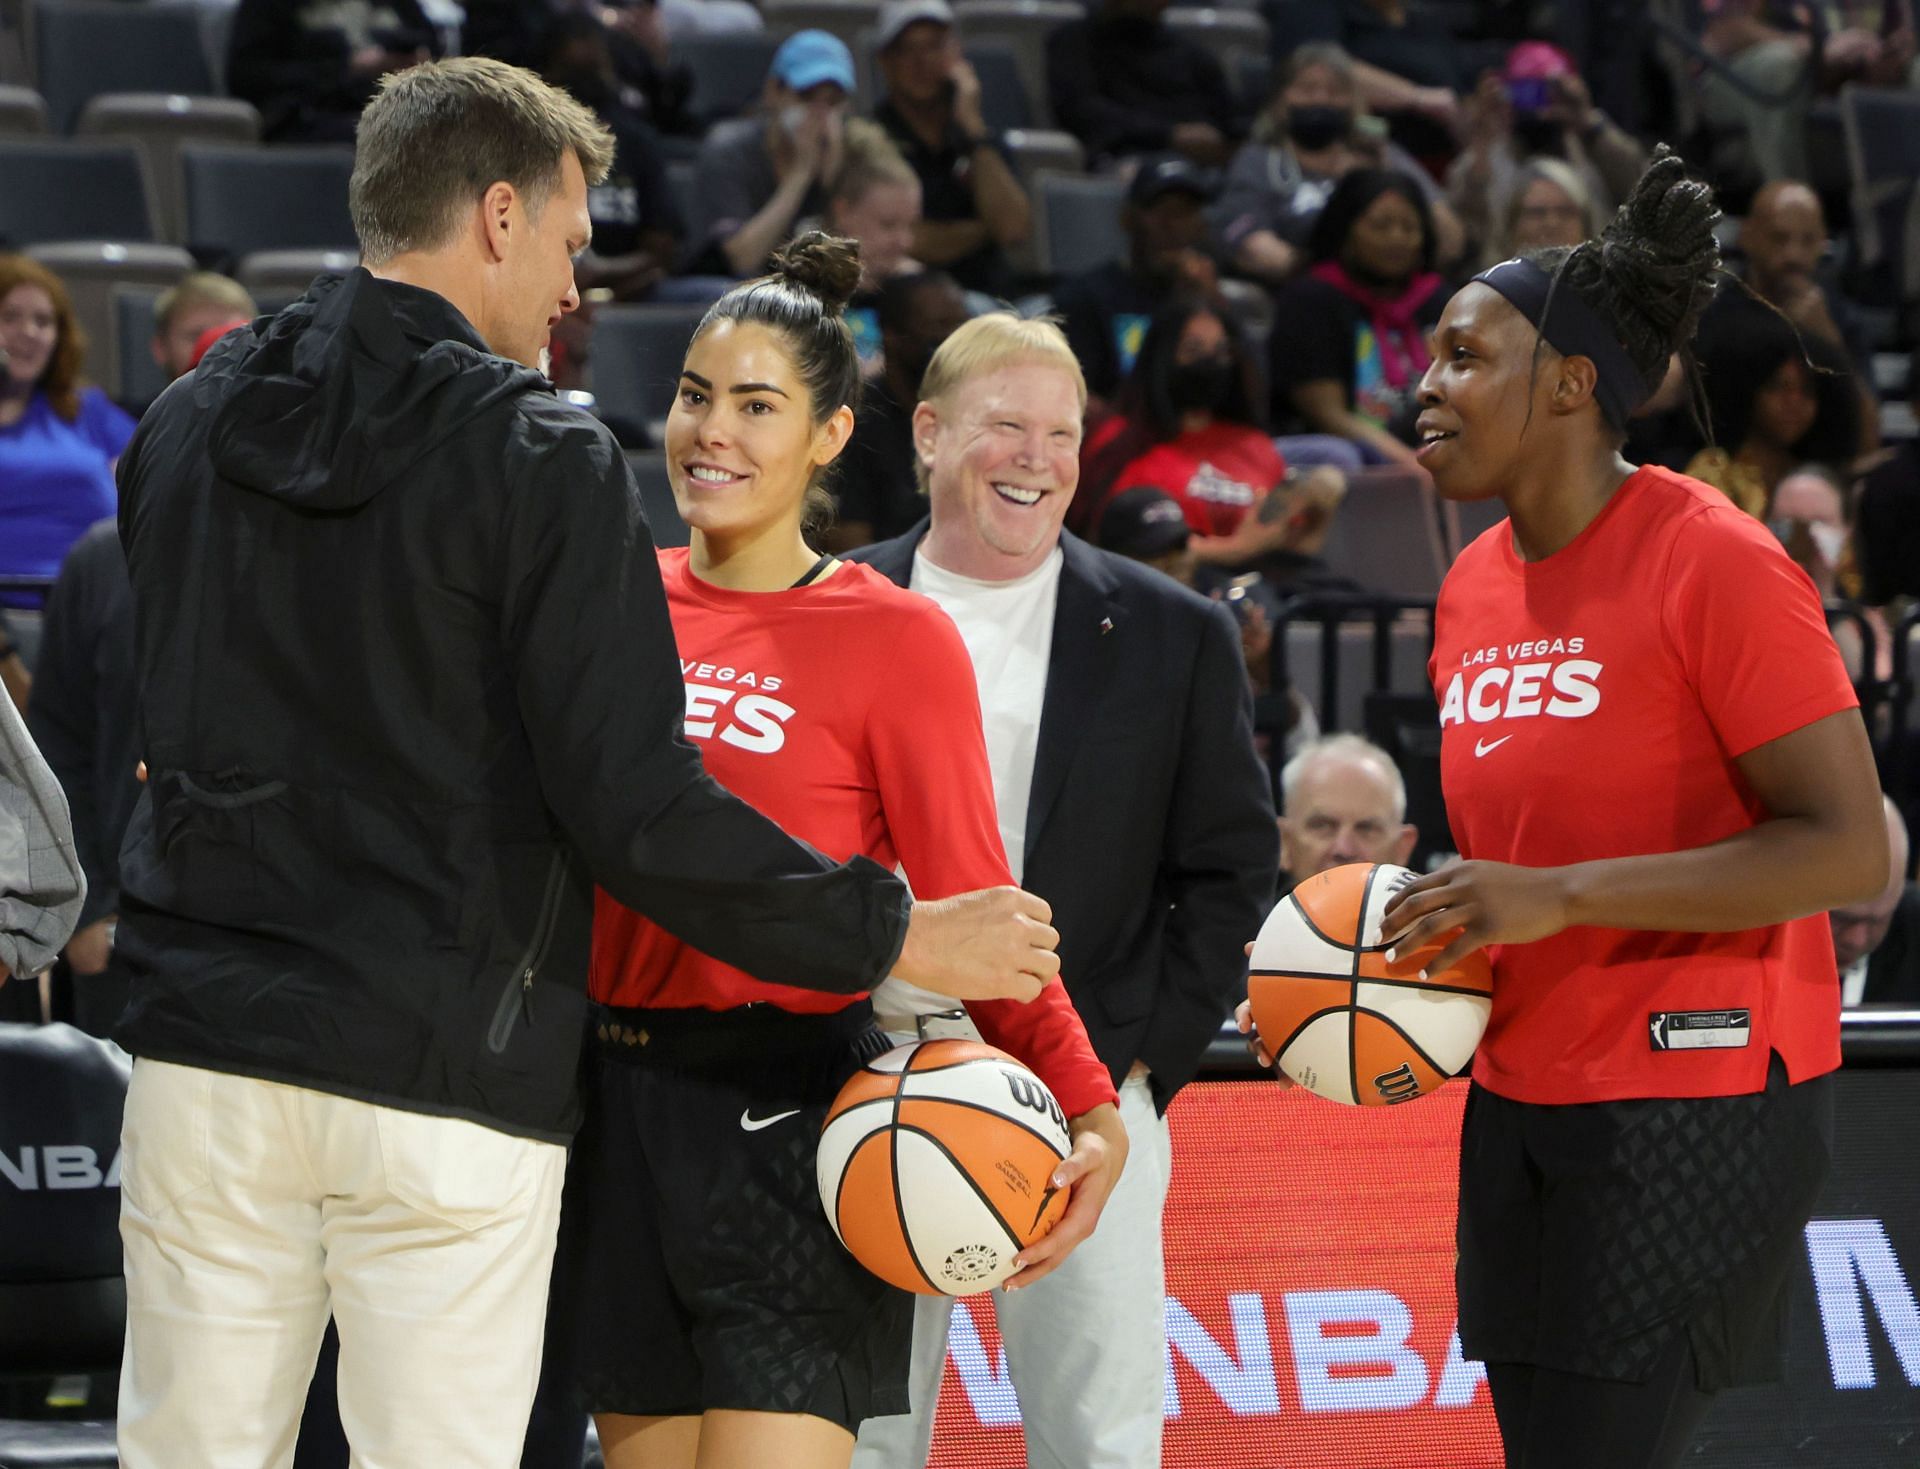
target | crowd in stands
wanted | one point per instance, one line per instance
(1280, 236)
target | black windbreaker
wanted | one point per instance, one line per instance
(408, 689)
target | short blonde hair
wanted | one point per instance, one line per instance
(988, 343)
(202, 288)
(439, 135)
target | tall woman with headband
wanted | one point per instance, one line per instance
(1657, 773)
(710, 1317)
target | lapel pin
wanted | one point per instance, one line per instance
(1106, 625)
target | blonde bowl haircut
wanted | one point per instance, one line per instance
(439, 135)
(985, 345)
(871, 159)
(202, 288)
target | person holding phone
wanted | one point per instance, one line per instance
(973, 207)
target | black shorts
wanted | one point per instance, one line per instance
(1590, 1235)
(696, 1268)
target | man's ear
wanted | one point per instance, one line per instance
(926, 430)
(500, 217)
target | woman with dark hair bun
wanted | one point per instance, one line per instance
(1656, 770)
(704, 1309)
(1349, 341)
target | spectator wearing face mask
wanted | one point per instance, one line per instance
(1536, 107)
(1187, 422)
(1312, 133)
(876, 482)
(761, 174)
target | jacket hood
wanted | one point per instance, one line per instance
(327, 403)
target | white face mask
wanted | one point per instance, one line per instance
(1829, 540)
(791, 116)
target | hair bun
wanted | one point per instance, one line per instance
(823, 264)
(1660, 251)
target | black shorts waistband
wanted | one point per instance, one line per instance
(758, 1033)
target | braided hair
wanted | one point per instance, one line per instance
(1651, 273)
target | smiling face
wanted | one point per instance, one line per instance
(1386, 242)
(882, 220)
(1474, 397)
(1546, 214)
(29, 331)
(534, 286)
(741, 442)
(1002, 452)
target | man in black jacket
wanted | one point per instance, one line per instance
(408, 691)
(1120, 732)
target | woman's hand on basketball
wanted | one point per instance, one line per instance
(1090, 1170)
(1243, 1017)
(1477, 903)
(994, 944)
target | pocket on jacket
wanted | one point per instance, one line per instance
(165, 1147)
(456, 1171)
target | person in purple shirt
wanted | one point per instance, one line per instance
(58, 440)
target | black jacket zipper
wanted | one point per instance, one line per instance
(518, 995)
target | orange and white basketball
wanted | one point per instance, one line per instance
(1330, 1014)
(935, 1162)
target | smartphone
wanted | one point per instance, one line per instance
(1530, 94)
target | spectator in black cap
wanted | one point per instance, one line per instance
(1123, 83)
(1106, 310)
(1147, 525)
(972, 205)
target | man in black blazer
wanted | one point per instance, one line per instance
(1877, 945)
(1119, 729)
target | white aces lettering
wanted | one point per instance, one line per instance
(733, 706)
(1522, 681)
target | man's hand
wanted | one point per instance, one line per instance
(966, 98)
(89, 950)
(1243, 1017)
(1090, 1170)
(1479, 903)
(994, 944)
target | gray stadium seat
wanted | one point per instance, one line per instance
(1386, 535)
(86, 47)
(1077, 221)
(60, 190)
(276, 277)
(656, 499)
(244, 200)
(844, 18)
(1229, 34)
(160, 124)
(141, 379)
(637, 352)
(23, 112)
(92, 272)
(1354, 667)
(729, 72)
(1471, 519)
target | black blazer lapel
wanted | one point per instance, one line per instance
(892, 559)
(1087, 631)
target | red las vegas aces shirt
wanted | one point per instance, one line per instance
(1592, 705)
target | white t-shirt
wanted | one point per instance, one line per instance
(1008, 629)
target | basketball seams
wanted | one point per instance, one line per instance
(1413, 1045)
(1399, 984)
(993, 1112)
(1301, 1028)
(961, 1171)
(1315, 929)
(893, 1167)
(1353, 995)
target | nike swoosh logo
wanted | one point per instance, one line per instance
(1487, 747)
(750, 1123)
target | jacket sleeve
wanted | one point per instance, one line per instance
(930, 764)
(598, 682)
(65, 720)
(41, 884)
(1221, 859)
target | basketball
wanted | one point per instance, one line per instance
(1330, 1014)
(934, 1165)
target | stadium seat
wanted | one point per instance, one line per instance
(1077, 221)
(63, 1302)
(1468, 520)
(92, 272)
(159, 124)
(844, 18)
(86, 47)
(60, 190)
(1024, 25)
(1252, 78)
(1229, 34)
(637, 352)
(1883, 164)
(1341, 706)
(23, 112)
(1386, 535)
(140, 379)
(244, 200)
(275, 277)
(729, 72)
(656, 499)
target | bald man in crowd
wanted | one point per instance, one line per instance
(1877, 944)
(1342, 800)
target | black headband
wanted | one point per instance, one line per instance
(1574, 330)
